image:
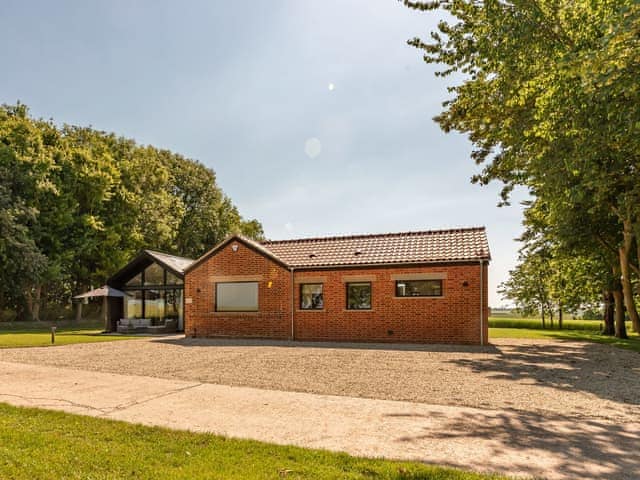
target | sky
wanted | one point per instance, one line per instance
(316, 115)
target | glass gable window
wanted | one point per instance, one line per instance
(154, 294)
(237, 297)
(359, 296)
(154, 304)
(133, 302)
(311, 296)
(173, 304)
(135, 281)
(154, 275)
(419, 288)
(172, 279)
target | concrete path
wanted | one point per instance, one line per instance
(507, 441)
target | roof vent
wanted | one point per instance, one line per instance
(358, 252)
(312, 255)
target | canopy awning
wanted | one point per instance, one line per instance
(103, 291)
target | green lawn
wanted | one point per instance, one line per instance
(584, 330)
(30, 338)
(42, 444)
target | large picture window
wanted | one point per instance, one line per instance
(311, 296)
(237, 297)
(419, 288)
(359, 296)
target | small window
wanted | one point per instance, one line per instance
(419, 288)
(311, 296)
(237, 297)
(359, 296)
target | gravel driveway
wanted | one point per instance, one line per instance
(544, 377)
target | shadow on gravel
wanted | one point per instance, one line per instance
(575, 449)
(609, 373)
(223, 342)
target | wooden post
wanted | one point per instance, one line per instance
(105, 313)
(78, 312)
(53, 335)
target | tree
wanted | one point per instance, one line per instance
(528, 285)
(76, 204)
(550, 100)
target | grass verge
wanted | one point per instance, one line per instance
(41, 444)
(29, 338)
(632, 343)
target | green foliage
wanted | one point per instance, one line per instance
(76, 204)
(41, 444)
(549, 97)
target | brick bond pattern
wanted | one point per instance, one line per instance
(453, 318)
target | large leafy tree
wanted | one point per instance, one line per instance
(76, 204)
(549, 97)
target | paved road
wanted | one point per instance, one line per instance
(507, 441)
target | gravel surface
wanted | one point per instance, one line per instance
(563, 378)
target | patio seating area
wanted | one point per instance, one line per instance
(147, 325)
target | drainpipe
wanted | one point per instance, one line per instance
(481, 302)
(293, 310)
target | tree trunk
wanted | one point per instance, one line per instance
(551, 318)
(560, 316)
(609, 322)
(37, 302)
(543, 326)
(625, 270)
(620, 327)
(32, 302)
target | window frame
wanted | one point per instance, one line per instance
(440, 280)
(216, 306)
(312, 309)
(370, 307)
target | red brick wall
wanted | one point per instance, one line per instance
(453, 318)
(273, 320)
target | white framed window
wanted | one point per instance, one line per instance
(236, 297)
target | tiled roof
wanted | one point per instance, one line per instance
(462, 244)
(179, 264)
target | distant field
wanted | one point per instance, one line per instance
(583, 330)
(536, 323)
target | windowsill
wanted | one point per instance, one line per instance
(418, 297)
(358, 310)
(310, 310)
(235, 313)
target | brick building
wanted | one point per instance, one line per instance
(422, 287)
